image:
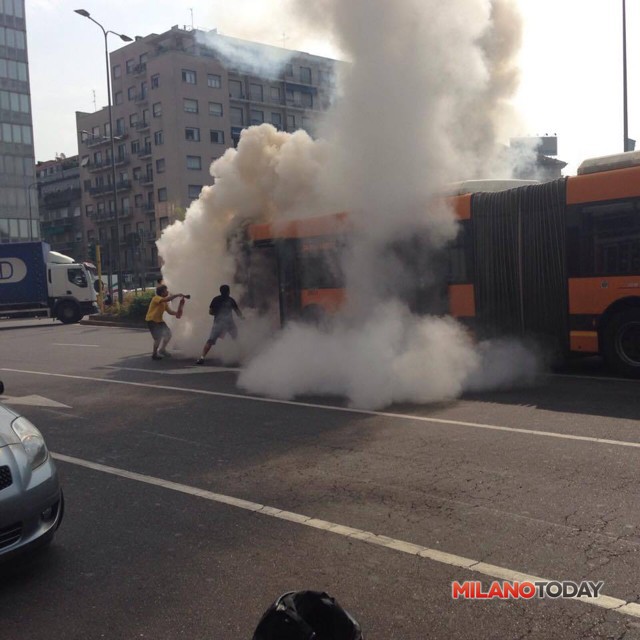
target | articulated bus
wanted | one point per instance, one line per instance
(558, 260)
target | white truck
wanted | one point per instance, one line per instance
(36, 281)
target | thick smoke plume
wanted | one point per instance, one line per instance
(423, 102)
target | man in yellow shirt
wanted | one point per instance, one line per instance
(159, 330)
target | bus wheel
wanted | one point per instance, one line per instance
(68, 312)
(622, 343)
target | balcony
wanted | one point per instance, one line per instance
(145, 178)
(142, 126)
(103, 165)
(101, 189)
(66, 194)
(141, 97)
(145, 152)
(96, 141)
(140, 69)
(149, 208)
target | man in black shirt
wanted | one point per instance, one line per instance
(222, 308)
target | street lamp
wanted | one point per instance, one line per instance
(86, 14)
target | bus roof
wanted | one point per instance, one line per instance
(301, 228)
(608, 163)
(485, 186)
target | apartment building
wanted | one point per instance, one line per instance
(180, 99)
(18, 199)
(60, 205)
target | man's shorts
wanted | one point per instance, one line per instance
(159, 330)
(220, 329)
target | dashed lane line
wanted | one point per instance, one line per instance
(368, 537)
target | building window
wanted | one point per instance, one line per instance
(194, 162)
(192, 134)
(157, 109)
(235, 89)
(190, 106)
(162, 194)
(255, 92)
(117, 99)
(214, 81)
(237, 116)
(131, 93)
(117, 71)
(133, 119)
(275, 94)
(135, 146)
(288, 70)
(137, 200)
(155, 81)
(89, 210)
(119, 126)
(160, 165)
(158, 137)
(188, 76)
(130, 65)
(143, 90)
(276, 120)
(194, 191)
(291, 122)
(143, 58)
(305, 75)
(307, 100)
(257, 117)
(217, 137)
(215, 108)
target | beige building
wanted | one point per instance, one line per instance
(180, 99)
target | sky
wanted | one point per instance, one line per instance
(571, 62)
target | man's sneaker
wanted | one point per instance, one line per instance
(156, 357)
(200, 361)
(164, 353)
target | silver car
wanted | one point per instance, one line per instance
(31, 500)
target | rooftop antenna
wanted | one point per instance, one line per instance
(95, 105)
(191, 19)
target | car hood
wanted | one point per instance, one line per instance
(7, 434)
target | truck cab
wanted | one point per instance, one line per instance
(36, 281)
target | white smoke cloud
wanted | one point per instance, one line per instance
(423, 102)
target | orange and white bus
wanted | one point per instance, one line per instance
(558, 260)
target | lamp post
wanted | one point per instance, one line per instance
(86, 14)
(625, 116)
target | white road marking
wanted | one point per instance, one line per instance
(489, 570)
(178, 372)
(329, 407)
(33, 401)
(63, 344)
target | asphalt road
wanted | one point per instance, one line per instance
(191, 506)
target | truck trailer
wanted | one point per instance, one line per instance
(35, 281)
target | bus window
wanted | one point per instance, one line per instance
(460, 256)
(604, 239)
(320, 270)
